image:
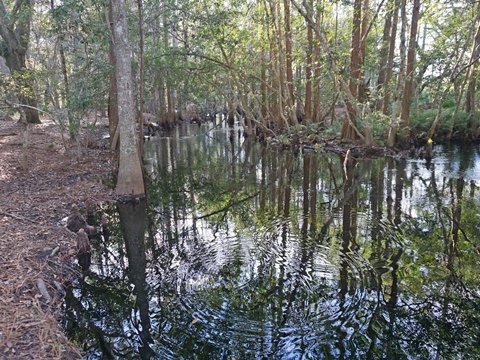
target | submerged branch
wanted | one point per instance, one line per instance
(227, 207)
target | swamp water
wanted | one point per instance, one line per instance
(250, 252)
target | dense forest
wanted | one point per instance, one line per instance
(380, 72)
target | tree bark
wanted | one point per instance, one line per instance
(384, 52)
(288, 64)
(400, 79)
(333, 67)
(470, 103)
(363, 50)
(130, 178)
(276, 70)
(391, 55)
(355, 70)
(409, 79)
(169, 115)
(316, 81)
(308, 75)
(141, 60)
(65, 94)
(263, 88)
(281, 62)
(112, 91)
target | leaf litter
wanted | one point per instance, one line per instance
(37, 253)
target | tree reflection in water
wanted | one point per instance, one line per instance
(247, 252)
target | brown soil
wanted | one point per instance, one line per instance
(38, 185)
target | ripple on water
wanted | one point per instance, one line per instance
(250, 295)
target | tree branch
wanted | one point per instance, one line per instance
(332, 62)
(16, 105)
(228, 206)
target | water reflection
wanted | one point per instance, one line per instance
(132, 222)
(248, 252)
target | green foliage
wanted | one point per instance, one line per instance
(209, 53)
(79, 28)
(333, 129)
(449, 102)
(422, 121)
(380, 124)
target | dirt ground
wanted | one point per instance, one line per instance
(38, 185)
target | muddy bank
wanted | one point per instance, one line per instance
(37, 187)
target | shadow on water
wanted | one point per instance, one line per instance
(244, 251)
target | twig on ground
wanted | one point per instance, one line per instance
(20, 218)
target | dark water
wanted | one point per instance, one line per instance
(247, 252)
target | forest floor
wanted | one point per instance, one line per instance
(38, 185)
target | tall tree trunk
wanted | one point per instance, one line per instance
(15, 33)
(334, 68)
(281, 63)
(316, 79)
(63, 64)
(169, 116)
(112, 91)
(65, 94)
(273, 91)
(363, 50)
(391, 55)
(470, 103)
(130, 177)
(141, 60)
(384, 53)
(400, 79)
(276, 70)
(263, 88)
(288, 64)
(355, 70)
(409, 80)
(308, 75)
(170, 106)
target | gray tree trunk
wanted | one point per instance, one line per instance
(130, 177)
(112, 92)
